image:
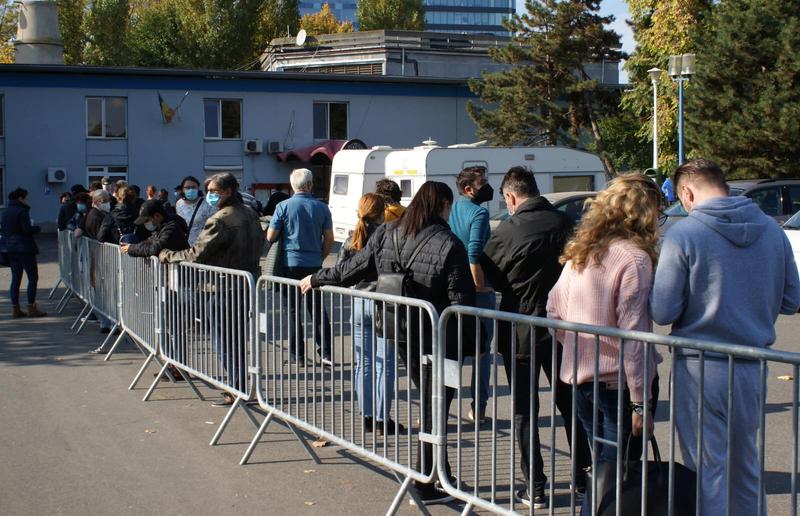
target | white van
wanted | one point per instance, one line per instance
(557, 169)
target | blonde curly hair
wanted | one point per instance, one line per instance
(628, 209)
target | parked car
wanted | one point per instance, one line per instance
(778, 198)
(570, 203)
(792, 229)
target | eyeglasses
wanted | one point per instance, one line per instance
(662, 217)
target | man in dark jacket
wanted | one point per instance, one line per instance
(68, 209)
(16, 241)
(521, 261)
(167, 231)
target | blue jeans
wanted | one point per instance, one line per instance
(382, 363)
(606, 405)
(23, 262)
(483, 300)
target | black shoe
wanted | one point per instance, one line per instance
(388, 428)
(431, 494)
(105, 331)
(524, 497)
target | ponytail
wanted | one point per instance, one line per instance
(370, 210)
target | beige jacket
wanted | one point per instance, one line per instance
(232, 238)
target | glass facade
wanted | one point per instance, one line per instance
(455, 16)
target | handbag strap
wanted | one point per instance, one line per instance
(414, 253)
(194, 213)
(656, 454)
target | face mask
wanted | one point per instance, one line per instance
(485, 194)
(212, 199)
(149, 226)
(81, 207)
(106, 207)
(190, 194)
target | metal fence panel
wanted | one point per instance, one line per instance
(101, 277)
(140, 314)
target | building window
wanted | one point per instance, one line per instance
(2, 119)
(113, 173)
(2, 187)
(223, 119)
(106, 117)
(330, 120)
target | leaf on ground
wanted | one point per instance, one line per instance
(310, 503)
(209, 422)
(307, 471)
(786, 378)
(149, 431)
(319, 443)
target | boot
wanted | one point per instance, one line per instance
(34, 312)
(17, 313)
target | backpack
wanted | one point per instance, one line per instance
(389, 316)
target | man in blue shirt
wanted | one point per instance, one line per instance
(305, 228)
(469, 221)
(668, 190)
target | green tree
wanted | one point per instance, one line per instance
(546, 95)
(9, 13)
(106, 26)
(661, 28)
(70, 26)
(627, 150)
(390, 14)
(744, 106)
(324, 22)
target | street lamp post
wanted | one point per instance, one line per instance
(654, 74)
(681, 68)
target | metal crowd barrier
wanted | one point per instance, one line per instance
(486, 473)
(64, 261)
(207, 329)
(100, 273)
(306, 351)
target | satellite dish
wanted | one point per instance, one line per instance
(301, 38)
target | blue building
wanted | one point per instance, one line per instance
(61, 125)
(455, 16)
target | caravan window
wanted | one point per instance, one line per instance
(340, 184)
(405, 188)
(573, 183)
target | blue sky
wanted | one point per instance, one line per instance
(618, 8)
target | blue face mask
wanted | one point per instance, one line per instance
(212, 198)
(190, 194)
(81, 207)
(149, 226)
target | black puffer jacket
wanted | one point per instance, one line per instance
(521, 261)
(121, 223)
(441, 273)
(171, 235)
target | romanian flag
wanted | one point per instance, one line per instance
(166, 112)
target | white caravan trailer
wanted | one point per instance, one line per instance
(557, 169)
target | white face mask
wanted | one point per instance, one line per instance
(106, 207)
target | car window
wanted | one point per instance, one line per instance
(573, 209)
(794, 198)
(793, 222)
(768, 199)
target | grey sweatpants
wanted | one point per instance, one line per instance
(745, 419)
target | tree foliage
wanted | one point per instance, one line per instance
(9, 12)
(70, 26)
(744, 107)
(661, 28)
(106, 26)
(546, 95)
(324, 22)
(390, 14)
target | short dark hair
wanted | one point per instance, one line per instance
(137, 190)
(17, 194)
(225, 180)
(189, 178)
(95, 185)
(389, 190)
(520, 181)
(83, 197)
(703, 171)
(468, 177)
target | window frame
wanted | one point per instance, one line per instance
(103, 117)
(3, 123)
(94, 170)
(219, 102)
(3, 193)
(327, 104)
(335, 186)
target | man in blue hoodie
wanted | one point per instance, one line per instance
(724, 274)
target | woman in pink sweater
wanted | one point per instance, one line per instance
(606, 281)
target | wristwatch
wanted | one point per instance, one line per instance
(637, 408)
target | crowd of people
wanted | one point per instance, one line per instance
(723, 274)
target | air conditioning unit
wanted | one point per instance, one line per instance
(56, 175)
(253, 146)
(275, 147)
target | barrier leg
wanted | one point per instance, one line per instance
(53, 290)
(256, 438)
(62, 304)
(249, 413)
(80, 316)
(139, 374)
(116, 342)
(309, 450)
(155, 382)
(401, 493)
(467, 509)
(190, 383)
(225, 421)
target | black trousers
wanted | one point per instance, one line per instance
(23, 262)
(523, 419)
(312, 303)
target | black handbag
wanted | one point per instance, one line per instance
(684, 486)
(400, 282)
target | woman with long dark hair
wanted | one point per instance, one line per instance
(439, 274)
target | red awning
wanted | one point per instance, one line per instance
(304, 154)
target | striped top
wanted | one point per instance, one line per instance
(614, 294)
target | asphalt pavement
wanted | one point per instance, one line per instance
(75, 441)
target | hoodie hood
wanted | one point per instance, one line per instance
(738, 219)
